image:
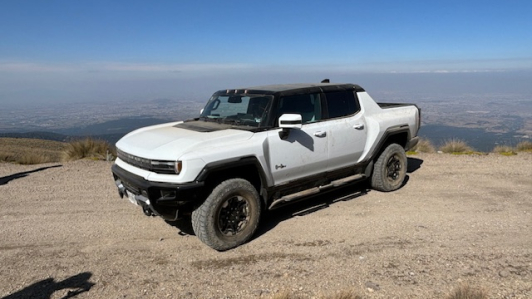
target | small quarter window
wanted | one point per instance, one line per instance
(341, 103)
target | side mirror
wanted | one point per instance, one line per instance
(287, 122)
(290, 121)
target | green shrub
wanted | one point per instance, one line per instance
(456, 146)
(88, 148)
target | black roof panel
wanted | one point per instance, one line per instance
(290, 88)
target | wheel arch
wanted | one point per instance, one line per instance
(248, 168)
(399, 135)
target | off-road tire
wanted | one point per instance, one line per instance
(389, 171)
(229, 216)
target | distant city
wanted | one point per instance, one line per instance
(482, 120)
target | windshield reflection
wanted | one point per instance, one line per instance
(237, 109)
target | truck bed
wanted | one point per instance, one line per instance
(394, 105)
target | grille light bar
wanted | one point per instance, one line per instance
(158, 166)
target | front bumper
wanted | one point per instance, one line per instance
(155, 198)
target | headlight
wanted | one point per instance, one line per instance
(169, 167)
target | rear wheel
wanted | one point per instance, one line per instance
(229, 216)
(389, 171)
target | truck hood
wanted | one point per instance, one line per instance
(169, 142)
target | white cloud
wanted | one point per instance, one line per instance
(117, 67)
(32, 67)
(413, 66)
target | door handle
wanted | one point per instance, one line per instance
(320, 134)
(359, 126)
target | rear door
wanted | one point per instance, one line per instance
(347, 129)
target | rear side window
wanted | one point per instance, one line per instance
(341, 103)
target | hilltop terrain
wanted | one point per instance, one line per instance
(458, 220)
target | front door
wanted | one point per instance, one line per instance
(302, 153)
(305, 151)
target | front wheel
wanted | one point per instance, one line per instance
(229, 216)
(389, 171)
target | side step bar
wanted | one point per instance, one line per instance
(311, 191)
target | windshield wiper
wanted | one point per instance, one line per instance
(209, 119)
(232, 121)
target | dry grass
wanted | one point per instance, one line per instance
(504, 150)
(7, 157)
(424, 146)
(340, 295)
(463, 291)
(286, 295)
(35, 158)
(36, 151)
(525, 146)
(88, 148)
(456, 146)
(467, 292)
(344, 295)
(30, 151)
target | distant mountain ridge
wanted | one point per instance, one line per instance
(110, 131)
(113, 127)
(38, 135)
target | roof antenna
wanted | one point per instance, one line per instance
(325, 81)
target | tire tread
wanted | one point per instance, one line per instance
(202, 217)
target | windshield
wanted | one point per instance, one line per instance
(239, 109)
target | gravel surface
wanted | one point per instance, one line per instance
(65, 233)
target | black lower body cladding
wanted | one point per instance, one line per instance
(159, 199)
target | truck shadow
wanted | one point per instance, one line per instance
(413, 164)
(6, 179)
(310, 205)
(323, 200)
(271, 218)
(46, 288)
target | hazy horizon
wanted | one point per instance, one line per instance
(409, 85)
(96, 51)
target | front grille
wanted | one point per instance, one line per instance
(158, 166)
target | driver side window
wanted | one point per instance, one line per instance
(307, 105)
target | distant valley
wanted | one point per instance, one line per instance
(483, 121)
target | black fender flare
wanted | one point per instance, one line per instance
(232, 164)
(388, 137)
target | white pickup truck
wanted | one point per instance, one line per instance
(259, 148)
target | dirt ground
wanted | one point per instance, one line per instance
(65, 233)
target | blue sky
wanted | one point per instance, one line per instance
(83, 50)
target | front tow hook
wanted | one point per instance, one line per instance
(121, 188)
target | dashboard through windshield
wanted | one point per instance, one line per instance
(238, 109)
